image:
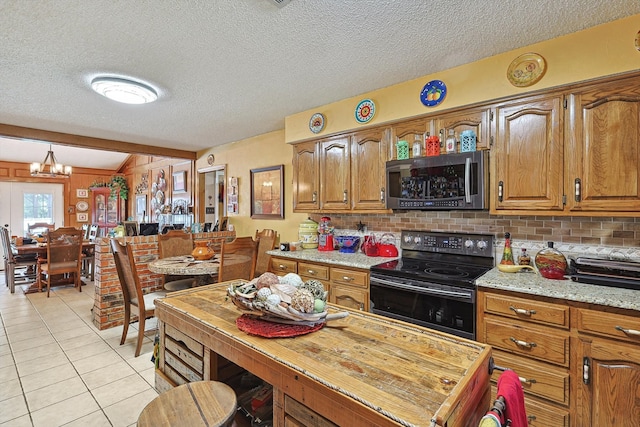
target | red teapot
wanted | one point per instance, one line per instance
(387, 247)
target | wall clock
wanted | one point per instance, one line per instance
(365, 111)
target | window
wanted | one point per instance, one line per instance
(38, 207)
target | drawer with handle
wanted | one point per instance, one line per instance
(542, 343)
(281, 266)
(527, 310)
(610, 325)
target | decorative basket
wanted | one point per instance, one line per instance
(433, 145)
(402, 147)
(245, 296)
(467, 141)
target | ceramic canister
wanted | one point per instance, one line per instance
(308, 234)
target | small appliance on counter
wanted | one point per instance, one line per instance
(325, 234)
(605, 272)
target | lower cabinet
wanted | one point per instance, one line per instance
(607, 369)
(348, 287)
(578, 365)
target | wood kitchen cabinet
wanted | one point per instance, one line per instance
(348, 287)
(607, 369)
(527, 158)
(569, 153)
(532, 338)
(603, 148)
(341, 174)
(407, 131)
(335, 174)
(474, 119)
(306, 177)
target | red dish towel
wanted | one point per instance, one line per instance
(510, 389)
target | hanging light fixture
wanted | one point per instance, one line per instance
(50, 168)
(124, 90)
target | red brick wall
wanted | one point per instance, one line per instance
(108, 305)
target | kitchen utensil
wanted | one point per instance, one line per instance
(387, 247)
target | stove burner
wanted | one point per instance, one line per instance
(447, 272)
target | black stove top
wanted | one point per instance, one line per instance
(444, 258)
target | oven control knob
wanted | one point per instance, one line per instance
(482, 245)
(417, 240)
(407, 239)
(468, 243)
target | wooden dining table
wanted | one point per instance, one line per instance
(186, 265)
(41, 249)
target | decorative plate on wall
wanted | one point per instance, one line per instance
(526, 69)
(316, 123)
(433, 93)
(82, 206)
(365, 111)
(211, 159)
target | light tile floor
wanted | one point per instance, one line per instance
(58, 369)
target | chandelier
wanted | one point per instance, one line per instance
(50, 168)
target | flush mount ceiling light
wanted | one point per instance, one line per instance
(123, 90)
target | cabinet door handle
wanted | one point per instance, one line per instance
(314, 197)
(527, 380)
(578, 189)
(500, 190)
(347, 278)
(382, 194)
(312, 272)
(282, 267)
(633, 332)
(522, 343)
(344, 196)
(522, 311)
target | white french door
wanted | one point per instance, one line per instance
(12, 204)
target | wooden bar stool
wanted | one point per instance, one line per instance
(200, 403)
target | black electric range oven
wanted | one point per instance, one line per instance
(433, 283)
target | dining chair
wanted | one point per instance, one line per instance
(267, 240)
(13, 263)
(238, 259)
(132, 291)
(89, 254)
(175, 243)
(40, 228)
(64, 257)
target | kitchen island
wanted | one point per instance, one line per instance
(363, 370)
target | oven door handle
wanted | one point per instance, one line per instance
(421, 290)
(467, 180)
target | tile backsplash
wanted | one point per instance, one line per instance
(617, 237)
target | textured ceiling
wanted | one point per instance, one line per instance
(228, 70)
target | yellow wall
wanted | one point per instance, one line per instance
(252, 153)
(599, 51)
(604, 50)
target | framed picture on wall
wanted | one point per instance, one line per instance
(179, 182)
(82, 217)
(82, 193)
(130, 228)
(267, 196)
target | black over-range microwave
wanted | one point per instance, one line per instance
(445, 182)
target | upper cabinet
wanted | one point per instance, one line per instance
(527, 158)
(474, 119)
(341, 174)
(603, 159)
(569, 153)
(368, 161)
(306, 177)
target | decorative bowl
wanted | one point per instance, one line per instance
(348, 244)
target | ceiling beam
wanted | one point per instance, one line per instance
(90, 142)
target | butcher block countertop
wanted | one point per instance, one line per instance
(361, 370)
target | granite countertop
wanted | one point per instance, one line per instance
(354, 260)
(534, 284)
